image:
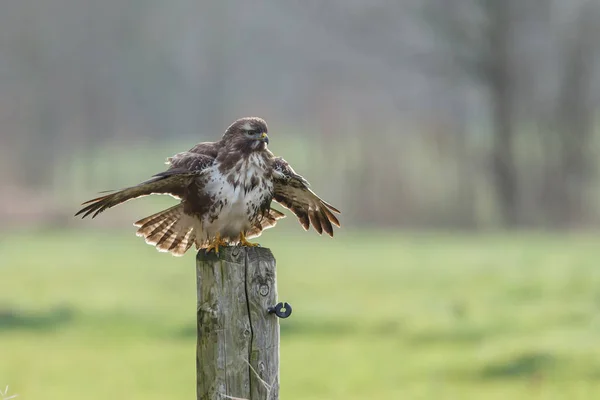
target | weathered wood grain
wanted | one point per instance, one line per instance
(261, 282)
(238, 341)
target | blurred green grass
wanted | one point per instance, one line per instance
(99, 314)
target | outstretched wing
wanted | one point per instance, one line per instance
(184, 168)
(291, 191)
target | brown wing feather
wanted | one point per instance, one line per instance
(173, 185)
(184, 167)
(291, 191)
(190, 161)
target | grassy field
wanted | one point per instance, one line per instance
(100, 315)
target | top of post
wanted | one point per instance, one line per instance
(236, 254)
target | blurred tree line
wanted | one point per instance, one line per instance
(423, 113)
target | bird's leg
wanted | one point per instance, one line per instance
(215, 243)
(245, 242)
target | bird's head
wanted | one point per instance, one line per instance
(249, 134)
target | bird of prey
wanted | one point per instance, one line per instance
(225, 190)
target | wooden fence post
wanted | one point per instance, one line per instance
(237, 355)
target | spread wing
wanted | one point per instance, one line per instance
(291, 191)
(183, 169)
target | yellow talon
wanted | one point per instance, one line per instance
(216, 242)
(245, 242)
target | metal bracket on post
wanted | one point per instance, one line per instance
(277, 310)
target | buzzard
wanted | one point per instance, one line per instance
(226, 189)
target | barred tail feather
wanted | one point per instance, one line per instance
(268, 221)
(170, 230)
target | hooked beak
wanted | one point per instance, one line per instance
(264, 137)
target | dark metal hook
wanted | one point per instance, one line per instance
(277, 310)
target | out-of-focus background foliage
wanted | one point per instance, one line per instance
(459, 137)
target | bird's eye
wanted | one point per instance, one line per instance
(254, 132)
